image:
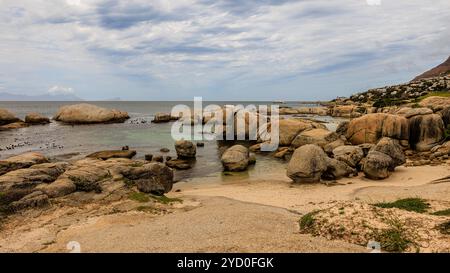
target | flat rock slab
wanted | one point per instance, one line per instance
(113, 154)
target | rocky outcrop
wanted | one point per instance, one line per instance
(399, 94)
(307, 164)
(426, 131)
(235, 158)
(347, 111)
(16, 184)
(319, 137)
(88, 114)
(440, 70)
(36, 118)
(113, 154)
(383, 158)
(185, 149)
(7, 117)
(371, 127)
(21, 161)
(436, 103)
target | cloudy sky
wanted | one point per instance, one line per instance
(221, 50)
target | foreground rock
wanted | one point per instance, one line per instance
(16, 184)
(113, 154)
(88, 114)
(307, 164)
(86, 179)
(383, 158)
(7, 117)
(21, 161)
(371, 127)
(185, 149)
(36, 118)
(235, 158)
(155, 178)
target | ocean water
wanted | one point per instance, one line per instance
(71, 142)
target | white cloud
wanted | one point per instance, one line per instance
(60, 90)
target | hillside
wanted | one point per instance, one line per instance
(440, 70)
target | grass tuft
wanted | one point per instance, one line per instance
(409, 204)
(396, 238)
(166, 200)
(445, 212)
(307, 221)
(139, 197)
(444, 228)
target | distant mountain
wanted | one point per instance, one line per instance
(44, 97)
(440, 70)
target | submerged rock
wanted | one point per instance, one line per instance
(113, 154)
(185, 149)
(87, 114)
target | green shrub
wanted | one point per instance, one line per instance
(409, 204)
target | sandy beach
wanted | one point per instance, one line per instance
(234, 214)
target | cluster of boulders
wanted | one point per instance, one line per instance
(71, 114)
(310, 163)
(31, 179)
(9, 121)
(411, 90)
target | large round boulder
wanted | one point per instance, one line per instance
(235, 158)
(307, 164)
(371, 127)
(185, 149)
(7, 117)
(426, 131)
(88, 114)
(377, 165)
(392, 148)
